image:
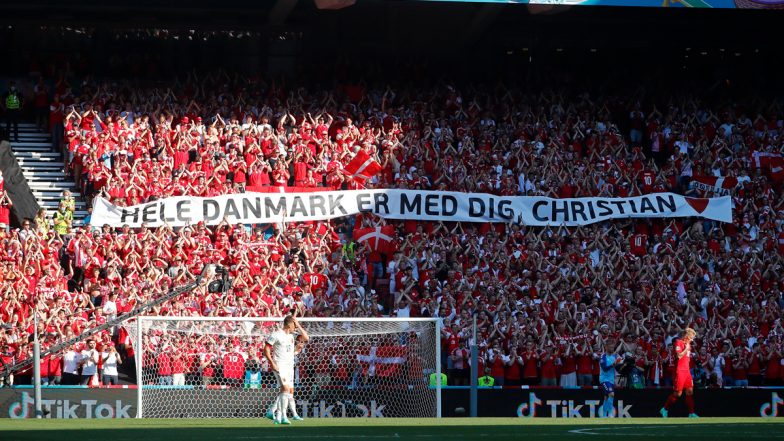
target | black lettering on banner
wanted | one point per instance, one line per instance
(669, 202)
(183, 212)
(334, 203)
(431, 205)
(412, 206)
(380, 200)
(556, 211)
(148, 213)
(476, 207)
(251, 207)
(449, 205)
(162, 211)
(210, 210)
(231, 209)
(298, 206)
(270, 209)
(578, 208)
(317, 201)
(601, 204)
(590, 208)
(505, 210)
(363, 202)
(132, 213)
(647, 205)
(632, 205)
(619, 204)
(535, 211)
(491, 206)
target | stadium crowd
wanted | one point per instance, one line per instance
(546, 299)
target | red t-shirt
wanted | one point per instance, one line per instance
(548, 367)
(637, 244)
(233, 365)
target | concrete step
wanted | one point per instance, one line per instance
(57, 185)
(42, 174)
(52, 205)
(42, 165)
(41, 155)
(38, 156)
(32, 147)
(50, 194)
(33, 134)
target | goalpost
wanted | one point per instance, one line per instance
(214, 367)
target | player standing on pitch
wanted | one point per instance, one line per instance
(607, 378)
(279, 351)
(683, 381)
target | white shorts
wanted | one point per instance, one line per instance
(285, 376)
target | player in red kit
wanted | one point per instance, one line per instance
(683, 382)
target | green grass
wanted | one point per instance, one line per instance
(495, 429)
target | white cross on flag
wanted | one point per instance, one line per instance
(379, 239)
(362, 167)
(382, 361)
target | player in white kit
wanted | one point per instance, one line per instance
(281, 347)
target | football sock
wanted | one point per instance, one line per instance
(282, 406)
(608, 407)
(292, 404)
(273, 407)
(690, 403)
(670, 401)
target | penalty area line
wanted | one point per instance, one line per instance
(619, 431)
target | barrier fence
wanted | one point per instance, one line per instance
(120, 402)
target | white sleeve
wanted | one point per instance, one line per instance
(272, 339)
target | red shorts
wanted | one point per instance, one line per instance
(683, 381)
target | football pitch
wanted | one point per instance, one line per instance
(495, 429)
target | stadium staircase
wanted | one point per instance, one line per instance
(44, 170)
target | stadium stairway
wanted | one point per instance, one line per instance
(44, 170)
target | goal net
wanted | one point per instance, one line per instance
(215, 368)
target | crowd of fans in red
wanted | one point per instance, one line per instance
(546, 298)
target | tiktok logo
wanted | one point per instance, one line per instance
(769, 410)
(528, 410)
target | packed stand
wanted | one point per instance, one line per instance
(546, 299)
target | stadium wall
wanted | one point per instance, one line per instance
(77, 402)
(585, 403)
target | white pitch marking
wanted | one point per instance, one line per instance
(612, 429)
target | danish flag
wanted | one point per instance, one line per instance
(380, 239)
(362, 167)
(772, 162)
(382, 361)
(719, 185)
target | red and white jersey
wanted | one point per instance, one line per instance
(638, 244)
(315, 281)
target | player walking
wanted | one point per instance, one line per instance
(607, 378)
(683, 381)
(279, 351)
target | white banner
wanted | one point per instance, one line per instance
(261, 208)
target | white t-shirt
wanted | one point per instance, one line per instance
(109, 363)
(90, 367)
(110, 308)
(282, 347)
(70, 362)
